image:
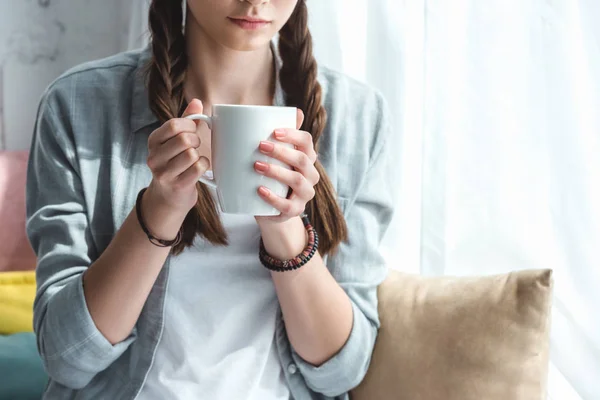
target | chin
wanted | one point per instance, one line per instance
(247, 43)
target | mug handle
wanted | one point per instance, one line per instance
(207, 181)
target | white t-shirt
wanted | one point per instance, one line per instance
(218, 337)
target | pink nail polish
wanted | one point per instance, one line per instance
(280, 133)
(266, 147)
(261, 167)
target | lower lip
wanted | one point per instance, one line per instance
(248, 25)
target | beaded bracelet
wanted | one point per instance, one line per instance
(153, 239)
(289, 265)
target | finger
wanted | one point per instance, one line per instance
(287, 207)
(301, 187)
(295, 158)
(195, 107)
(169, 129)
(175, 146)
(299, 118)
(194, 172)
(180, 163)
(301, 139)
(175, 126)
(180, 143)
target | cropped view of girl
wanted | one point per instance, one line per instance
(146, 289)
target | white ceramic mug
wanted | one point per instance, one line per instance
(236, 132)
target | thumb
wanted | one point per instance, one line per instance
(299, 118)
(195, 107)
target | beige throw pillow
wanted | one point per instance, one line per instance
(477, 338)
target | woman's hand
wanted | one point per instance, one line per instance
(176, 167)
(302, 178)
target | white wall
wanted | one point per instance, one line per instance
(40, 39)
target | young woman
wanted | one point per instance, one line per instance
(120, 316)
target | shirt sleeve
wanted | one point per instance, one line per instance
(359, 268)
(73, 350)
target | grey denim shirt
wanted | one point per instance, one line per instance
(87, 164)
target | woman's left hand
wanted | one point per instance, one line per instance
(301, 179)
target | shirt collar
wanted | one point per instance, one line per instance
(142, 116)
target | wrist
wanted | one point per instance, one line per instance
(284, 240)
(161, 220)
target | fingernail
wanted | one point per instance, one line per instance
(261, 167)
(204, 163)
(263, 191)
(280, 133)
(266, 147)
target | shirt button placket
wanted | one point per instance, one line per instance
(292, 369)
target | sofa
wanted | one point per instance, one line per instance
(446, 338)
(22, 376)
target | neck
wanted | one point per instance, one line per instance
(219, 75)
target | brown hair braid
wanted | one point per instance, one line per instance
(298, 77)
(166, 77)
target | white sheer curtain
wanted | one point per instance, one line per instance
(495, 106)
(511, 166)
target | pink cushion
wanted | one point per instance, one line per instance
(15, 251)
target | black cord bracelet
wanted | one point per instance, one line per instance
(153, 239)
(274, 264)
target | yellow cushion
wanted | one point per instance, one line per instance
(461, 338)
(17, 292)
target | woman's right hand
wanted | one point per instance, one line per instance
(176, 167)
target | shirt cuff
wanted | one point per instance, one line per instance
(346, 370)
(72, 347)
